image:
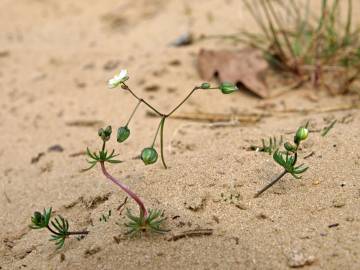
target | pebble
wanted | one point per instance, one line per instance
(297, 258)
(338, 202)
(195, 203)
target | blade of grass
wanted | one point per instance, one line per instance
(258, 18)
(281, 27)
(347, 37)
(273, 32)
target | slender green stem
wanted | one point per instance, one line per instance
(273, 31)
(162, 123)
(132, 114)
(103, 146)
(284, 33)
(156, 134)
(163, 116)
(182, 102)
(270, 184)
(141, 100)
(348, 24)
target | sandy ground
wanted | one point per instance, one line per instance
(55, 58)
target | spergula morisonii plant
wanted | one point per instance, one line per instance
(288, 158)
(59, 227)
(148, 220)
(149, 154)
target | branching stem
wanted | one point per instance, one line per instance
(163, 116)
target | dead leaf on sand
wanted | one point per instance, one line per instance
(246, 67)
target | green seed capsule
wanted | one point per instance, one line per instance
(108, 131)
(288, 146)
(105, 133)
(205, 85)
(122, 134)
(228, 88)
(301, 134)
(149, 155)
(101, 132)
(38, 217)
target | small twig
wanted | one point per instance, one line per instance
(84, 123)
(216, 117)
(191, 233)
(120, 207)
(309, 155)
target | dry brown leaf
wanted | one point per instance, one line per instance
(246, 66)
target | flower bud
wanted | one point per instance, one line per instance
(149, 155)
(108, 131)
(100, 132)
(105, 133)
(122, 134)
(301, 134)
(289, 147)
(228, 88)
(205, 85)
(38, 218)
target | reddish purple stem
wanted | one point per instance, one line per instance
(143, 211)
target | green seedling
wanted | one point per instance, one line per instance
(270, 147)
(59, 226)
(288, 158)
(147, 220)
(149, 154)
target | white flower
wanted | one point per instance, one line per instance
(117, 79)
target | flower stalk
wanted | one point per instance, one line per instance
(124, 132)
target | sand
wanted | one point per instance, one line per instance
(55, 59)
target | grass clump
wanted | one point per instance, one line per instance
(296, 40)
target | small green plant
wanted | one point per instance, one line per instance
(149, 154)
(148, 220)
(60, 226)
(288, 159)
(270, 147)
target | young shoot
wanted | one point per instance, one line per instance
(59, 227)
(149, 155)
(288, 159)
(147, 220)
(269, 148)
